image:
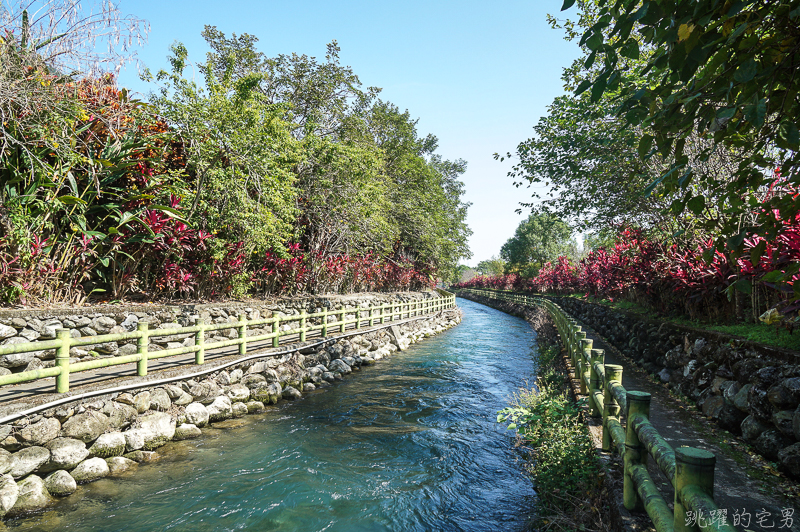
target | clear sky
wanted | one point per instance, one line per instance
(478, 75)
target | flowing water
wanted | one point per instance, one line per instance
(411, 443)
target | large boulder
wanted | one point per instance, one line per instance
(789, 458)
(770, 443)
(86, 427)
(28, 460)
(90, 470)
(6, 462)
(196, 414)
(752, 428)
(291, 393)
(160, 425)
(220, 409)
(339, 366)
(9, 492)
(740, 398)
(795, 426)
(141, 401)
(17, 360)
(60, 484)
(205, 392)
(253, 380)
(120, 415)
(40, 432)
(173, 391)
(135, 439)
(254, 406)
(7, 332)
(783, 422)
(119, 464)
(187, 431)
(32, 496)
(160, 400)
(267, 393)
(713, 406)
(65, 453)
(109, 444)
(142, 456)
(238, 393)
(730, 418)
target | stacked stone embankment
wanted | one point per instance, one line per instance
(749, 389)
(49, 454)
(21, 326)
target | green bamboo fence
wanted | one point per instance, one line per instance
(308, 323)
(690, 470)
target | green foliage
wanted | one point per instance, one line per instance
(539, 239)
(562, 463)
(603, 238)
(755, 332)
(725, 71)
(207, 189)
(493, 267)
(589, 164)
(240, 153)
(365, 182)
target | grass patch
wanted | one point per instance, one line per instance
(755, 332)
(561, 458)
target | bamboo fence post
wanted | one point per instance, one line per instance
(598, 357)
(610, 404)
(303, 320)
(242, 327)
(276, 329)
(142, 343)
(635, 453)
(62, 360)
(200, 342)
(584, 369)
(693, 467)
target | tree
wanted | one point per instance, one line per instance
(44, 50)
(68, 39)
(358, 167)
(494, 267)
(723, 70)
(539, 239)
(240, 153)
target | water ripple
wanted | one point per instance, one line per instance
(410, 444)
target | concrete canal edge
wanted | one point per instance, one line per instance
(47, 453)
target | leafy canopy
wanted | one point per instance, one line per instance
(723, 70)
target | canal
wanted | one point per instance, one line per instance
(409, 444)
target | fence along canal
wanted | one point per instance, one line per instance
(314, 324)
(690, 470)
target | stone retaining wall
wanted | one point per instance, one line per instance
(749, 389)
(20, 326)
(49, 454)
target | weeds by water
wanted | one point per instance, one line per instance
(561, 457)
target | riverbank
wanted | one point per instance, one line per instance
(48, 454)
(743, 480)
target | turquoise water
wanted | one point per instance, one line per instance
(408, 444)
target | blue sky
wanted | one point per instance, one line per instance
(478, 75)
